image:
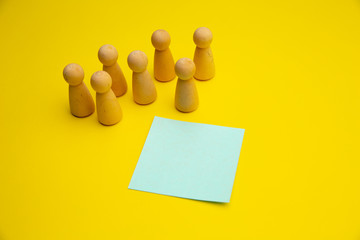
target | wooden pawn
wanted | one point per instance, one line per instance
(163, 60)
(203, 56)
(186, 95)
(143, 86)
(108, 56)
(107, 106)
(80, 100)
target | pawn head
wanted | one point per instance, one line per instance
(202, 37)
(137, 61)
(101, 81)
(160, 39)
(73, 74)
(185, 68)
(108, 55)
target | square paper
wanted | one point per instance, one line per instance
(188, 160)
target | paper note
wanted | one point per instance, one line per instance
(188, 160)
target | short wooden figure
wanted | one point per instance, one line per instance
(80, 99)
(203, 57)
(163, 60)
(107, 106)
(186, 96)
(108, 56)
(144, 90)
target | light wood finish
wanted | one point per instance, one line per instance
(203, 56)
(107, 106)
(108, 56)
(186, 95)
(144, 90)
(80, 100)
(163, 60)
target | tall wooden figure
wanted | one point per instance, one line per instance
(163, 59)
(144, 90)
(108, 108)
(80, 99)
(203, 57)
(108, 56)
(186, 96)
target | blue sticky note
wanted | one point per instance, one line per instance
(188, 160)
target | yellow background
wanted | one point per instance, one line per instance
(287, 71)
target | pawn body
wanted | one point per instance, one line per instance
(203, 56)
(164, 66)
(108, 56)
(119, 86)
(163, 60)
(80, 100)
(144, 90)
(186, 95)
(108, 108)
(204, 61)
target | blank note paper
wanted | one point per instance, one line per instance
(188, 160)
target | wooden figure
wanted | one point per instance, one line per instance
(80, 99)
(203, 57)
(163, 60)
(144, 90)
(186, 96)
(108, 56)
(108, 108)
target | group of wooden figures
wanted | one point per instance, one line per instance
(110, 83)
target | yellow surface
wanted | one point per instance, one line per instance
(287, 71)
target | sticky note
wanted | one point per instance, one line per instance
(188, 160)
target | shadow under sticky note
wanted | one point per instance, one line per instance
(188, 160)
